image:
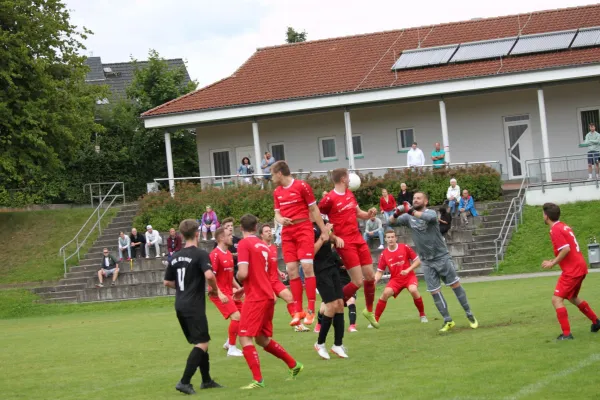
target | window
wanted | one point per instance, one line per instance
(357, 146)
(221, 164)
(406, 137)
(277, 151)
(327, 149)
(586, 117)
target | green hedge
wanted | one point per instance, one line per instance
(163, 212)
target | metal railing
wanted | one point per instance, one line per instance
(514, 217)
(78, 241)
(564, 169)
(96, 189)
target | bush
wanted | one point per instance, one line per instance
(163, 211)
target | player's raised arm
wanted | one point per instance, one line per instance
(430, 216)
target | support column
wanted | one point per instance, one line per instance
(544, 127)
(257, 152)
(169, 163)
(445, 140)
(349, 146)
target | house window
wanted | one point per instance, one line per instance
(586, 117)
(406, 137)
(221, 164)
(357, 146)
(277, 151)
(327, 149)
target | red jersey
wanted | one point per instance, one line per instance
(341, 209)
(574, 263)
(273, 264)
(397, 260)
(388, 205)
(222, 266)
(255, 253)
(293, 201)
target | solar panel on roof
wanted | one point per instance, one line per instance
(484, 49)
(587, 37)
(543, 42)
(424, 57)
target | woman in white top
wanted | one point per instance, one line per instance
(453, 196)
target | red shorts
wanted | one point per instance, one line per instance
(355, 254)
(397, 285)
(568, 287)
(298, 242)
(257, 318)
(278, 286)
(226, 309)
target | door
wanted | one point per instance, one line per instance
(519, 144)
(246, 151)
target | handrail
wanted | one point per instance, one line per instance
(567, 168)
(99, 185)
(514, 215)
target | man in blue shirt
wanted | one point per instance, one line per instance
(438, 156)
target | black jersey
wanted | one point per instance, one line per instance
(187, 268)
(325, 257)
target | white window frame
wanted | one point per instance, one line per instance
(321, 156)
(399, 138)
(581, 135)
(270, 145)
(212, 160)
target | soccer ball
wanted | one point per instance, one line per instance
(354, 182)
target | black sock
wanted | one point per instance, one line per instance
(191, 365)
(319, 318)
(338, 328)
(352, 314)
(325, 325)
(204, 367)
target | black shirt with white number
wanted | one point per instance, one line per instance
(187, 269)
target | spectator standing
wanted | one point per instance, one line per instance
(209, 222)
(466, 206)
(373, 228)
(404, 195)
(124, 244)
(109, 267)
(152, 239)
(265, 164)
(173, 244)
(246, 169)
(445, 220)
(415, 156)
(438, 156)
(138, 241)
(453, 196)
(592, 139)
(387, 204)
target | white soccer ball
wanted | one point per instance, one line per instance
(354, 182)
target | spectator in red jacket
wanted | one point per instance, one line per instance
(387, 204)
(173, 243)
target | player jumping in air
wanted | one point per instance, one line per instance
(188, 272)
(258, 309)
(433, 253)
(294, 201)
(342, 210)
(221, 260)
(402, 261)
(574, 269)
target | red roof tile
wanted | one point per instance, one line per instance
(364, 62)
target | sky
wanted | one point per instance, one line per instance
(216, 37)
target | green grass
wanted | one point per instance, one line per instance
(31, 241)
(531, 244)
(135, 350)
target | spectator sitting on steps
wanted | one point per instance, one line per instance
(173, 243)
(374, 227)
(452, 196)
(387, 204)
(466, 206)
(110, 267)
(209, 222)
(124, 244)
(152, 239)
(445, 221)
(138, 241)
(404, 195)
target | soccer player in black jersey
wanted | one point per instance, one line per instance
(188, 272)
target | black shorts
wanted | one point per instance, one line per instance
(329, 285)
(593, 157)
(194, 327)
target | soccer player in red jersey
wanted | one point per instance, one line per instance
(402, 261)
(342, 211)
(222, 263)
(294, 202)
(257, 312)
(574, 269)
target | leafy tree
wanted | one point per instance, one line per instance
(295, 37)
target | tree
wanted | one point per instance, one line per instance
(295, 37)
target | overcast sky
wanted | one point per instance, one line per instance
(216, 37)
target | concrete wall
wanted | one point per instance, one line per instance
(561, 194)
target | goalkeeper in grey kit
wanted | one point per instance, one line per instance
(435, 259)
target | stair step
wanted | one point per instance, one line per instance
(67, 299)
(66, 293)
(477, 265)
(479, 258)
(60, 288)
(73, 281)
(476, 271)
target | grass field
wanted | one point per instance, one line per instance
(135, 350)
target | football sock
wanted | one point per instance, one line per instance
(291, 308)
(349, 290)
(253, 362)
(379, 309)
(275, 348)
(338, 328)
(352, 314)
(369, 294)
(325, 325)
(419, 304)
(320, 318)
(233, 331)
(563, 319)
(296, 288)
(311, 292)
(461, 295)
(584, 307)
(442, 306)
(204, 366)
(192, 363)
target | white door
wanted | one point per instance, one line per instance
(246, 151)
(519, 143)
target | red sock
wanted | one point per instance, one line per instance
(584, 307)
(311, 292)
(296, 288)
(369, 294)
(253, 361)
(380, 308)
(233, 331)
(275, 348)
(349, 290)
(291, 308)
(419, 305)
(563, 320)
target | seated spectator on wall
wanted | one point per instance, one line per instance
(453, 196)
(108, 268)
(438, 156)
(246, 169)
(138, 242)
(266, 163)
(124, 244)
(209, 222)
(173, 243)
(445, 221)
(592, 139)
(373, 228)
(404, 195)
(466, 206)
(152, 239)
(387, 204)
(415, 156)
